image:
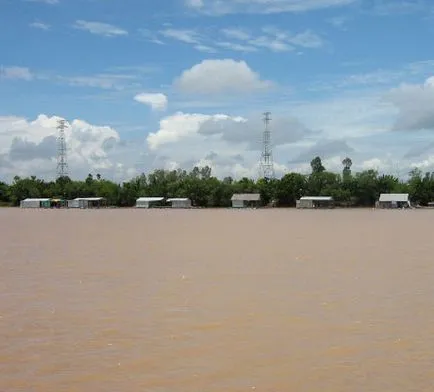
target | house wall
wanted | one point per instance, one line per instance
(83, 204)
(73, 204)
(30, 204)
(181, 204)
(305, 204)
(238, 204)
(392, 204)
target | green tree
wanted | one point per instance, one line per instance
(290, 188)
(346, 172)
(316, 165)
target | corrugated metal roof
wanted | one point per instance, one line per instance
(89, 198)
(149, 199)
(396, 197)
(178, 199)
(317, 198)
(36, 199)
(246, 197)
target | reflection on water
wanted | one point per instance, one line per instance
(205, 301)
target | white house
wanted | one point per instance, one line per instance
(86, 202)
(35, 203)
(393, 200)
(243, 200)
(179, 202)
(148, 202)
(315, 202)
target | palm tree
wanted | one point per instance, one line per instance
(347, 162)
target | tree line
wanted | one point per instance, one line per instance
(347, 188)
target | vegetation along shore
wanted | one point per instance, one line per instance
(348, 189)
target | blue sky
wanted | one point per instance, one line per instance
(175, 83)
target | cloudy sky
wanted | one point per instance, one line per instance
(148, 84)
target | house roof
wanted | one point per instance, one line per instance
(36, 199)
(394, 197)
(149, 199)
(246, 197)
(89, 198)
(317, 198)
(178, 199)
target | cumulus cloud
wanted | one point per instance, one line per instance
(326, 149)
(285, 130)
(179, 138)
(24, 150)
(157, 101)
(220, 76)
(98, 28)
(29, 147)
(231, 145)
(415, 106)
(175, 127)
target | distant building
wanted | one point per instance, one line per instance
(35, 203)
(393, 200)
(87, 202)
(181, 202)
(315, 202)
(149, 202)
(245, 200)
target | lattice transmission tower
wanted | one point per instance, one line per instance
(267, 165)
(62, 159)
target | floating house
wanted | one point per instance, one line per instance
(87, 202)
(35, 203)
(315, 202)
(179, 202)
(149, 202)
(245, 200)
(393, 200)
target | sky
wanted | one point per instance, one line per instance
(169, 84)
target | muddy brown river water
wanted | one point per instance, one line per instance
(216, 300)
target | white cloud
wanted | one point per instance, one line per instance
(103, 81)
(45, 1)
(387, 7)
(415, 106)
(237, 39)
(339, 22)
(194, 3)
(307, 39)
(176, 127)
(222, 7)
(16, 73)
(236, 33)
(29, 147)
(187, 36)
(205, 48)
(271, 38)
(179, 138)
(156, 101)
(237, 47)
(220, 76)
(99, 28)
(40, 25)
(150, 36)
